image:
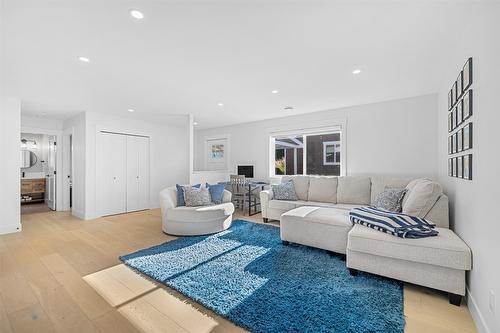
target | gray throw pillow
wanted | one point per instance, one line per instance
(195, 197)
(390, 199)
(285, 191)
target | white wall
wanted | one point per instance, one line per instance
(395, 137)
(41, 123)
(10, 131)
(473, 203)
(169, 151)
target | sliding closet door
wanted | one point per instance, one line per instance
(113, 173)
(137, 173)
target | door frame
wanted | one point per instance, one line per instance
(59, 159)
(68, 160)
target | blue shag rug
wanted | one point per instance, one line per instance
(246, 275)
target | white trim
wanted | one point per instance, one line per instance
(476, 314)
(10, 228)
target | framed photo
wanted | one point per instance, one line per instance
(467, 74)
(467, 167)
(460, 140)
(450, 100)
(467, 135)
(460, 165)
(454, 92)
(459, 112)
(450, 167)
(467, 105)
(454, 162)
(454, 143)
(459, 85)
(450, 122)
(454, 116)
(450, 144)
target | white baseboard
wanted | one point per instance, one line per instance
(476, 314)
(10, 228)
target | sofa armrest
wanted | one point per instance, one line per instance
(227, 196)
(168, 200)
(265, 197)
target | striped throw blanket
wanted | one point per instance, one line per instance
(397, 224)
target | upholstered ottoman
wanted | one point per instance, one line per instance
(324, 228)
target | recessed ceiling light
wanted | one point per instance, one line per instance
(275, 91)
(84, 59)
(131, 110)
(220, 104)
(356, 71)
(136, 14)
(288, 108)
(195, 123)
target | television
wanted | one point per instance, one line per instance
(245, 170)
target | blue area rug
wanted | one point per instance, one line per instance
(246, 275)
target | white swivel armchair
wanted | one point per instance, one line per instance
(191, 221)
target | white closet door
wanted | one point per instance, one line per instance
(137, 173)
(113, 173)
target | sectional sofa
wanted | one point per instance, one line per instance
(320, 218)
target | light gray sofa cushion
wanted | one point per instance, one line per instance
(196, 197)
(379, 183)
(421, 196)
(446, 249)
(354, 190)
(323, 189)
(301, 184)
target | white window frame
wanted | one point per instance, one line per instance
(334, 144)
(338, 126)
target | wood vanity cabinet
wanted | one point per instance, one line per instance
(34, 188)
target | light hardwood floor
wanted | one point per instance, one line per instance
(62, 274)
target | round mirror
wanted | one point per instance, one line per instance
(28, 159)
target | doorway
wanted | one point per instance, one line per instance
(38, 171)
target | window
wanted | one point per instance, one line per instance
(307, 153)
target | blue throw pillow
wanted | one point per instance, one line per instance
(180, 194)
(285, 191)
(216, 192)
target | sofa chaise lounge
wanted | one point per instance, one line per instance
(320, 218)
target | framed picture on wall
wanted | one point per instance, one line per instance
(459, 112)
(454, 118)
(467, 135)
(467, 74)
(460, 140)
(454, 91)
(450, 167)
(467, 167)
(467, 105)
(459, 85)
(450, 120)
(450, 101)
(454, 143)
(450, 145)
(460, 167)
(454, 162)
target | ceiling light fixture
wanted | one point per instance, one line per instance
(136, 14)
(220, 104)
(84, 59)
(356, 71)
(274, 91)
(195, 123)
(131, 110)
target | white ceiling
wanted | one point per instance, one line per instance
(187, 56)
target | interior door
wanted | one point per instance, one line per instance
(50, 183)
(137, 173)
(112, 173)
